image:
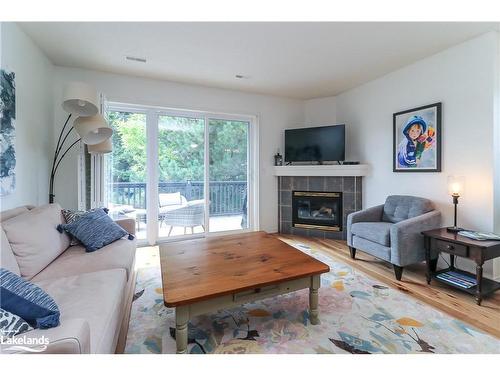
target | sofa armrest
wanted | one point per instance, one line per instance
(372, 214)
(128, 224)
(407, 242)
(70, 337)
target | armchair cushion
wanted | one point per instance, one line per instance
(169, 199)
(402, 207)
(376, 232)
(372, 214)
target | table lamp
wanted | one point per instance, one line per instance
(456, 186)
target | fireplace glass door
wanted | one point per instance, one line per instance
(317, 210)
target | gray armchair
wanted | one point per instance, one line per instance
(392, 231)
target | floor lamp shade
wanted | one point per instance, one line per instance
(92, 130)
(101, 148)
(80, 99)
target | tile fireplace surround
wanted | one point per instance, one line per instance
(350, 187)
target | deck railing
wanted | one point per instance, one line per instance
(226, 197)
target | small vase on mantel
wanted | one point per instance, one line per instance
(278, 159)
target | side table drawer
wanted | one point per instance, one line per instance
(451, 248)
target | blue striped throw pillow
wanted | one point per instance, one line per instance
(95, 229)
(30, 302)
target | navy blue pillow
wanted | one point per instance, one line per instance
(95, 229)
(30, 302)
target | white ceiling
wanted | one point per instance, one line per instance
(299, 60)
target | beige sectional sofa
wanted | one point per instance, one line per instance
(93, 290)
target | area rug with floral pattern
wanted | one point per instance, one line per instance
(357, 314)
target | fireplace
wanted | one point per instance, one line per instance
(317, 210)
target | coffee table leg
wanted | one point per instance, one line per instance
(181, 328)
(313, 300)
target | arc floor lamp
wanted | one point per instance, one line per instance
(80, 100)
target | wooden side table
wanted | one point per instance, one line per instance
(440, 240)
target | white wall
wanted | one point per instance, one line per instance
(34, 116)
(274, 115)
(496, 157)
(320, 111)
(464, 78)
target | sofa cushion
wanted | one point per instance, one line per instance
(75, 260)
(96, 297)
(378, 232)
(7, 258)
(27, 300)
(402, 207)
(95, 229)
(34, 239)
(13, 212)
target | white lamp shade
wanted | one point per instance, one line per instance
(80, 99)
(101, 148)
(92, 130)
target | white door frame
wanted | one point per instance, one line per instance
(152, 208)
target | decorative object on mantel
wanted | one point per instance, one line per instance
(456, 187)
(7, 132)
(417, 139)
(278, 159)
(80, 99)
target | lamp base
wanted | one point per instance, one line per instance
(454, 229)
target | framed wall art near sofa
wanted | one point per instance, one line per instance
(7, 132)
(417, 139)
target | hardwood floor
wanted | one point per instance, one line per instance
(449, 300)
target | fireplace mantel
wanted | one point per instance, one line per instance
(357, 170)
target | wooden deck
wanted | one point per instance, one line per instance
(449, 300)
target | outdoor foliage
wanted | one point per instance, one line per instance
(180, 148)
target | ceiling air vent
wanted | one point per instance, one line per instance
(138, 59)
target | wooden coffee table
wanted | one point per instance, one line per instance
(209, 274)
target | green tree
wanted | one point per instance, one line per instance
(180, 148)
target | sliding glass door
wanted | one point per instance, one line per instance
(180, 174)
(126, 181)
(228, 177)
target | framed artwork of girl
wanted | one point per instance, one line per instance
(417, 139)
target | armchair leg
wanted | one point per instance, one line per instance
(352, 250)
(398, 271)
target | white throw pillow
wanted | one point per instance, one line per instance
(34, 238)
(170, 199)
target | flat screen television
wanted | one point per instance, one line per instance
(318, 144)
